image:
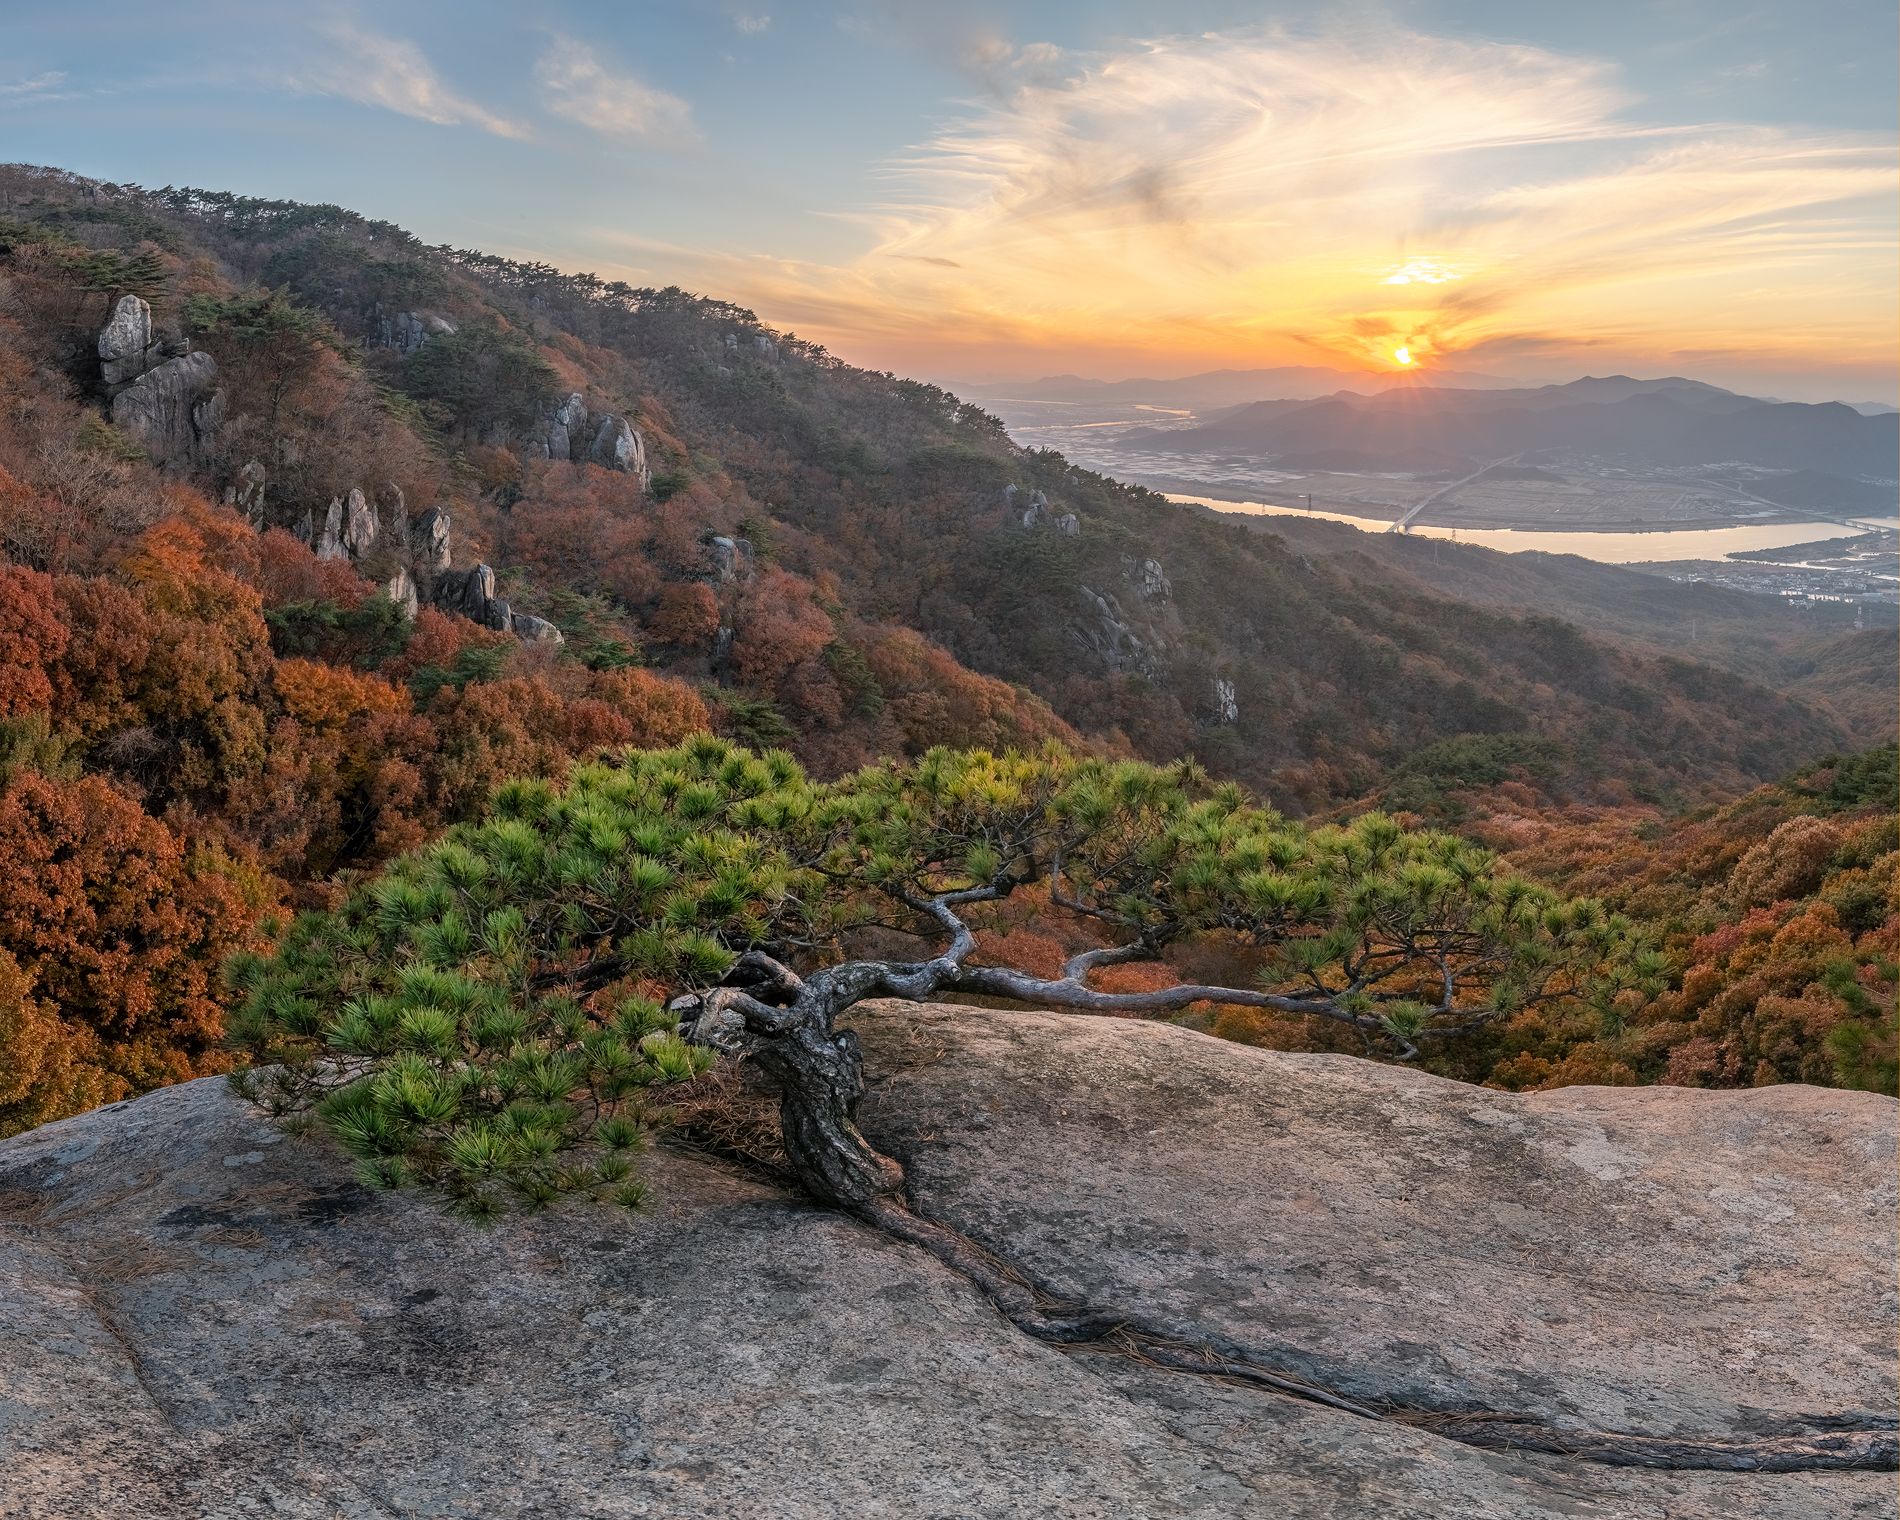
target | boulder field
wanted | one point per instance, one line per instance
(203, 1317)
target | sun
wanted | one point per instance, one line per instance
(1403, 356)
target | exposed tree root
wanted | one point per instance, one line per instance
(1854, 1443)
(784, 1025)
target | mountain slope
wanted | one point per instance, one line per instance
(1811, 652)
(883, 544)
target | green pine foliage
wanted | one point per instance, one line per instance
(440, 1023)
(1417, 928)
(486, 1019)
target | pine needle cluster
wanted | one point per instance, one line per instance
(486, 1019)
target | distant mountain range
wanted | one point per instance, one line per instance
(1222, 387)
(1670, 421)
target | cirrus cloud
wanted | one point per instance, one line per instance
(1249, 197)
(394, 74)
(577, 86)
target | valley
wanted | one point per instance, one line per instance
(1799, 535)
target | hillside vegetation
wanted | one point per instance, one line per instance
(298, 565)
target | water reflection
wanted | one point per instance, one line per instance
(1605, 548)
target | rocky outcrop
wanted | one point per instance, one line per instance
(172, 409)
(350, 527)
(360, 525)
(571, 432)
(159, 395)
(731, 558)
(401, 589)
(1039, 514)
(406, 331)
(329, 540)
(430, 538)
(202, 1318)
(568, 423)
(247, 493)
(1106, 632)
(127, 348)
(761, 346)
(471, 593)
(534, 630)
(1150, 579)
(619, 447)
(1226, 701)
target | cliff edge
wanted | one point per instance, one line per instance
(202, 1317)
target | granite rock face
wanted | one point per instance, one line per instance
(162, 396)
(1110, 636)
(126, 346)
(732, 558)
(401, 589)
(200, 1317)
(1226, 700)
(619, 447)
(430, 538)
(248, 492)
(350, 527)
(360, 524)
(1152, 580)
(571, 432)
(406, 331)
(534, 630)
(173, 407)
(329, 542)
(470, 592)
(568, 422)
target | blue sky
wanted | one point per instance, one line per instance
(1110, 187)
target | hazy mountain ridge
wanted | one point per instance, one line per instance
(1666, 421)
(1226, 387)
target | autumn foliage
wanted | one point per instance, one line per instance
(111, 935)
(169, 780)
(1781, 917)
(205, 727)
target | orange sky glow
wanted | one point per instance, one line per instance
(1237, 202)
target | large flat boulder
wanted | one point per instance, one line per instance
(200, 1317)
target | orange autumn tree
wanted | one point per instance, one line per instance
(1781, 916)
(31, 638)
(43, 1074)
(110, 932)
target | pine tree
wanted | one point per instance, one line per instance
(490, 1018)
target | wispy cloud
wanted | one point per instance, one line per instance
(38, 86)
(577, 86)
(394, 74)
(1238, 194)
(958, 35)
(751, 22)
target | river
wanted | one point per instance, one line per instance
(1606, 548)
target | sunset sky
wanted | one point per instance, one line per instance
(1678, 186)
